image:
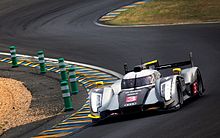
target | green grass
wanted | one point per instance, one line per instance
(170, 11)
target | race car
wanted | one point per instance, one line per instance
(145, 88)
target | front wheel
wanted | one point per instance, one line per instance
(103, 115)
(179, 100)
(180, 96)
(95, 120)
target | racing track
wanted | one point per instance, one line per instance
(66, 28)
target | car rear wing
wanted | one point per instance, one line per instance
(174, 65)
(154, 64)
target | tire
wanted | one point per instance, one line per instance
(103, 115)
(95, 121)
(201, 89)
(179, 104)
(180, 96)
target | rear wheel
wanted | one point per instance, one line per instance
(200, 84)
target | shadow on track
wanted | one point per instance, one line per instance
(133, 116)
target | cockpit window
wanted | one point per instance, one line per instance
(137, 82)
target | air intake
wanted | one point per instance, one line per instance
(138, 68)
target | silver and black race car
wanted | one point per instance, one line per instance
(144, 88)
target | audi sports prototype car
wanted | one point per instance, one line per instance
(144, 88)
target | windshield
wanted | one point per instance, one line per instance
(136, 82)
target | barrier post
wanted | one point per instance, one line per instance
(73, 81)
(66, 96)
(41, 61)
(62, 67)
(13, 56)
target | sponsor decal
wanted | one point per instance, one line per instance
(136, 91)
(131, 99)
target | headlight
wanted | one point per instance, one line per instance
(166, 89)
(96, 101)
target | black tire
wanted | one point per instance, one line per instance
(179, 104)
(180, 95)
(103, 115)
(201, 89)
(95, 121)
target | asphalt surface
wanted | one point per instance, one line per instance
(66, 29)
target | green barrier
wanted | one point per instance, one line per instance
(62, 67)
(13, 56)
(41, 61)
(73, 81)
(66, 96)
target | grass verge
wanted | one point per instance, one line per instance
(170, 11)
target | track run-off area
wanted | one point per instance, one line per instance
(87, 76)
(67, 29)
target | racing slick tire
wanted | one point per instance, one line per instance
(180, 98)
(201, 89)
(103, 115)
(96, 120)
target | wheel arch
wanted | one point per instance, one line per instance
(173, 91)
(190, 74)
